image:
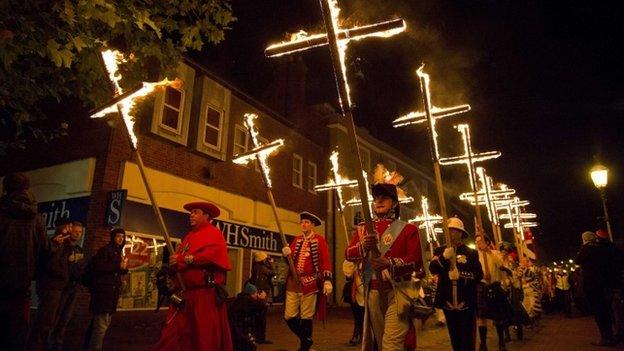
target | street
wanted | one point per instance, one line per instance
(139, 330)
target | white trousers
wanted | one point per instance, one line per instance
(387, 328)
(298, 305)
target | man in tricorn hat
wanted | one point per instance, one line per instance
(398, 244)
(311, 259)
(460, 317)
(201, 259)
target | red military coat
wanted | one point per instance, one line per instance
(311, 260)
(405, 254)
(200, 324)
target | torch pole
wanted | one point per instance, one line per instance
(342, 218)
(289, 258)
(438, 181)
(473, 180)
(150, 194)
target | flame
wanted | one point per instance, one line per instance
(111, 59)
(469, 158)
(333, 158)
(357, 202)
(342, 39)
(259, 152)
(428, 221)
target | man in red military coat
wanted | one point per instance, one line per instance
(201, 260)
(388, 295)
(311, 259)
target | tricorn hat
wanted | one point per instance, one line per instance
(311, 217)
(208, 208)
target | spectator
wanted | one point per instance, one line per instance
(106, 269)
(23, 241)
(243, 312)
(262, 278)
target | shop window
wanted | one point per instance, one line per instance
(280, 267)
(297, 172)
(145, 255)
(311, 177)
(234, 276)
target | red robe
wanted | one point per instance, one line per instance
(200, 325)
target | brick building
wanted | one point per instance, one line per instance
(187, 141)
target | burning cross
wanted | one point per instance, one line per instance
(122, 103)
(435, 112)
(337, 183)
(337, 39)
(261, 153)
(428, 221)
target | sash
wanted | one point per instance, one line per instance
(385, 243)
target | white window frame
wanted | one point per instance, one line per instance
(220, 129)
(312, 177)
(245, 147)
(295, 171)
(180, 110)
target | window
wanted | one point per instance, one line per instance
(172, 108)
(297, 175)
(213, 127)
(212, 133)
(240, 140)
(171, 115)
(311, 177)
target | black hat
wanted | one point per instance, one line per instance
(311, 217)
(385, 189)
(15, 182)
(116, 230)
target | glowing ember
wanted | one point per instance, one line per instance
(259, 152)
(125, 105)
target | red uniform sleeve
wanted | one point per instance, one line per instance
(405, 255)
(325, 262)
(207, 248)
(354, 251)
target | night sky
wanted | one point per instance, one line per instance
(544, 79)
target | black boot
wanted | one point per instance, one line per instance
(306, 335)
(294, 324)
(483, 338)
(507, 334)
(357, 335)
(520, 332)
(500, 331)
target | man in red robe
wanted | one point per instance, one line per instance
(311, 259)
(201, 322)
(388, 295)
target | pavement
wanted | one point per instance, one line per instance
(137, 331)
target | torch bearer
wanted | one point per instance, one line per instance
(260, 153)
(123, 103)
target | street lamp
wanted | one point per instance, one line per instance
(599, 175)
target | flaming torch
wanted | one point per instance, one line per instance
(469, 158)
(122, 103)
(261, 153)
(337, 183)
(430, 115)
(337, 39)
(428, 222)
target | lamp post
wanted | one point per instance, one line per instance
(599, 175)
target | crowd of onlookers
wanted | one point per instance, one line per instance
(58, 266)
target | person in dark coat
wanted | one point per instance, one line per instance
(23, 242)
(76, 263)
(52, 278)
(461, 318)
(262, 278)
(243, 312)
(600, 264)
(106, 268)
